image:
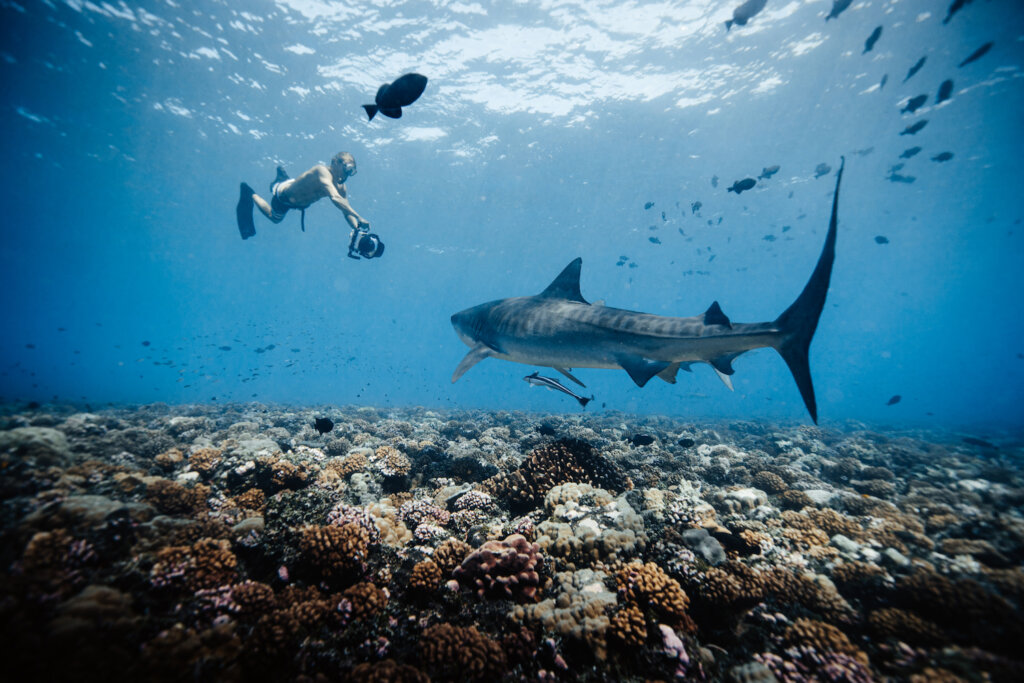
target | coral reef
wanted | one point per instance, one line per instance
(236, 543)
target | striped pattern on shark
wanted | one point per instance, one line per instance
(559, 329)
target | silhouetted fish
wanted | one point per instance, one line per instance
(838, 7)
(648, 205)
(654, 240)
(885, 79)
(943, 156)
(954, 8)
(640, 440)
(768, 172)
(979, 442)
(915, 128)
(821, 169)
(881, 239)
(945, 92)
(914, 69)
(910, 152)
(869, 44)
(978, 54)
(894, 400)
(323, 425)
(695, 207)
(745, 12)
(391, 97)
(714, 181)
(740, 185)
(914, 103)
(897, 178)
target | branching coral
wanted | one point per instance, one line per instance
(505, 569)
(335, 552)
(461, 653)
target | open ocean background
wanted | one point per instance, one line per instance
(545, 129)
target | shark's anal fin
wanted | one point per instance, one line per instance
(475, 355)
(641, 369)
(669, 373)
(715, 316)
(567, 284)
(565, 371)
(723, 364)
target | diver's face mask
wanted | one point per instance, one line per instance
(370, 246)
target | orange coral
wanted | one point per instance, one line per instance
(450, 555)
(366, 599)
(425, 577)
(387, 671)
(204, 461)
(335, 551)
(649, 585)
(629, 626)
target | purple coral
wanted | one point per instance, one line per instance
(503, 569)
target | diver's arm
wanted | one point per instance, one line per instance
(353, 218)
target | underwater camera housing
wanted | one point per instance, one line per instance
(365, 245)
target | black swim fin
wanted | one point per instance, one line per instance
(244, 212)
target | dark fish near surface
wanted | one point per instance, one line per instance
(897, 178)
(915, 128)
(943, 156)
(768, 172)
(910, 152)
(978, 54)
(914, 69)
(745, 12)
(838, 7)
(881, 239)
(945, 92)
(821, 169)
(538, 380)
(714, 181)
(654, 240)
(894, 400)
(391, 97)
(648, 205)
(885, 79)
(914, 103)
(869, 44)
(740, 186)
(323, 425)
(954, 8)
(695, 207)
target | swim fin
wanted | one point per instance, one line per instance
(244, 212)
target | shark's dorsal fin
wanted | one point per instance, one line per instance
(715, 316)
(567, 284)
(641, 369)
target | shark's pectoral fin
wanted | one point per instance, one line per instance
(475, 355)
(715, 316)
(565, 371)
(641, 369)
(669, 373)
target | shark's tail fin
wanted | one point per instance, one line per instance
(800, 320)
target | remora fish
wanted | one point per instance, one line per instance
(977, 54)
(536, 380)
(559, 329)
(869, 44)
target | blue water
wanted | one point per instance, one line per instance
(544, 130)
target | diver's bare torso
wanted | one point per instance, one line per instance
(314, 184)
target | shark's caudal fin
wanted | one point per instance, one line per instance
(800, 320)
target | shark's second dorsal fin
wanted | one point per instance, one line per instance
(715, 316)
(567, 284)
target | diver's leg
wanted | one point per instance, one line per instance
(266, 209)
(243, 212)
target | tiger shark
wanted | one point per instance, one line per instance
(559, 329)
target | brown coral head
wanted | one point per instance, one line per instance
(503, 569)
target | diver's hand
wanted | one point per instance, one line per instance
(364, 226)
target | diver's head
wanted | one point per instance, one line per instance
(343, 166)
(370, 246)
